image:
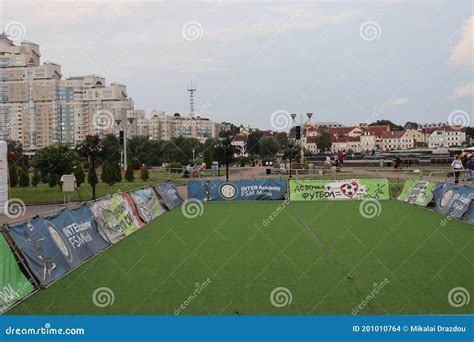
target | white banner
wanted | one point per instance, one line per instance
(3, 177)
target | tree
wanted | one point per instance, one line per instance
(135, 164)
(79, 175)
(208, 153)
(129, 176)
(35, 180)
(55, 159)
(410, 125)
(15, 153)
(111, 173)
(323, 141)
(24, 178)
(291, 153)
(92, 149)
(226, 151)
(52, 180)
(252, 145)
(393, 126)
(144, 176)
(110, 149)
(151, 152)
(13, 175)
(268, 147)
(134, 145)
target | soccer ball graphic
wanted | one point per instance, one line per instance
(349, 189)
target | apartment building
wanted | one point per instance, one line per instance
(39, 108)
(445, 136)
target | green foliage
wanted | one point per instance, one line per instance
(92, 177)
(110, 149)
(144, 175)
(86, 165)
(129, 176)
(15, 153)
(79, 175)
(13, 175)
(175, 167)
(24, 178)
(252, 145)
(393, 126)
(111, 173)
(55, 159)
(135, 164)
(268, 147)
(410, 125)
(53, 180)
(36, 179)
(323, 141)
(291, 152)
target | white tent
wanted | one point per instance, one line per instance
(3, 177)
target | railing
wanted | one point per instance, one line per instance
(465, 176)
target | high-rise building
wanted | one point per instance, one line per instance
(39, 108)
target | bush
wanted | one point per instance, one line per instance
(111, 173)
(135, 164)
(79, 175)
(13, 175)
(36, 179)
(52, 180)
(129, 176)
(144, 176)
(86, 165)
(92, 177)
(175, 167)
(24, 178)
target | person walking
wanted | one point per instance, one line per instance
(456, 165)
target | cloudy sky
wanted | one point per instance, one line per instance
(346, 61)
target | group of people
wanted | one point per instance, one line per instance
(463, 162)
(338, 160)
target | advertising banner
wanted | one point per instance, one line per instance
(418, 192)
(138, 219)
(240, 190)
(461, 202)
(13, 284)
(56, 244)
(169, 195)
(147, 203)
(3, 178)
(469, 215)
(350, 189)
(109, 225)
(444, 196)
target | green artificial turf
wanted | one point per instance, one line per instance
(242, 259)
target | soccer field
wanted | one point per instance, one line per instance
(311, 258)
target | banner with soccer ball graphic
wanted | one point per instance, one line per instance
(349, 189)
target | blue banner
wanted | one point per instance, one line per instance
(454, 200)
(169, 195)
(469, 215)
(237, 328)
(240, 190)
(56, 244)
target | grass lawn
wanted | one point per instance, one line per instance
(326, 255)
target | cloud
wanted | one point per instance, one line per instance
(398, 102)
(463, 90)
(462, 53)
